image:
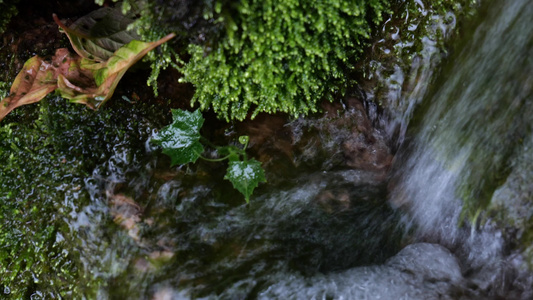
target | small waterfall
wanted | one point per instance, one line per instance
(462, 146)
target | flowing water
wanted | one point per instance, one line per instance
(460, 129)
(464, 147)
(323, 232)
(469, 151)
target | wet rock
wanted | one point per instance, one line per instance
(430, 262)
(270, 137)
(126, 213)
(342, 137)
(419, 271)
(333, 201)
(365, 148)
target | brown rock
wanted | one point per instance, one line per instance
(341, 137)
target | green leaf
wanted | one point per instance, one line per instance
(181, 139)
(245, 176)
(99, 34)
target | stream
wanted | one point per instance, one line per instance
(443, 220)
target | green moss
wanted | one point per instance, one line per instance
(273, 56)
(191, 20)
(280, 56)
(33, 249)
(47, 152)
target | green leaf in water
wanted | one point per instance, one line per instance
(181, 139)
(245, 176)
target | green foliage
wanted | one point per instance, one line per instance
(181, 139)
(276, 56)
(245, 176)
(265, 56)
(280, 56)
(181, 142)
(191, 20)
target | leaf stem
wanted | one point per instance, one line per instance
(208, 142)
(214, 159)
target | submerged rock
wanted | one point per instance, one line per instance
(365, 148)
(343, 137)
(419, 271)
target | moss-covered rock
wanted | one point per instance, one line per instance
(37, 175)
(47, 153)
(247, 57)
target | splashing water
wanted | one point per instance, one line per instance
(321, 230)
(466, 137)
(328, 233)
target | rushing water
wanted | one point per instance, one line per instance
(321, 230)
(334, 233)
(469, 145)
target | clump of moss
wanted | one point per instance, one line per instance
(191, 20)
(261, 56)
(280, 56)
(47, 153)
(33, 250)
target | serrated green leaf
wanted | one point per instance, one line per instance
(245, 176)
(181, 139)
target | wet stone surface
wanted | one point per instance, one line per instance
(341, 138)
(419, 271)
